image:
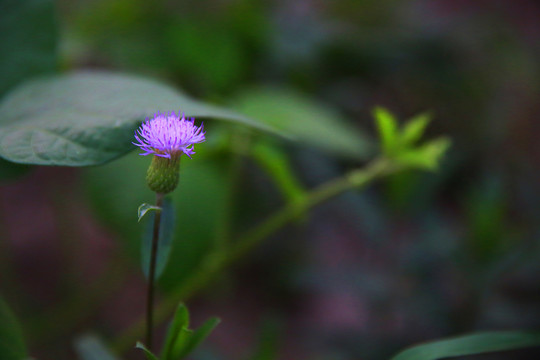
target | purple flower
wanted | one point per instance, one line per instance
(168, 135)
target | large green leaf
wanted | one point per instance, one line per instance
(28, 44)
(306, 120)
(11, 340)
(470, 345)
(89, 118)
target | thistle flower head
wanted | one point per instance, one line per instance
(168, 136)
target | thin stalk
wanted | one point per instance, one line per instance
(216, 262)
(152, 273)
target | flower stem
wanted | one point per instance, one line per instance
(152, 273)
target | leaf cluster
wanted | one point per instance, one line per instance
(181, 340)
(402, 144)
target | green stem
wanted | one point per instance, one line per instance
(152, 273)
(216, 262)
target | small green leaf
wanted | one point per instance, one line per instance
(147, 353)
(425, 157)
(144, 208)
(196, 338)
(180, 321)
(388, 130)
(12, 345)
(414, 129)
(470, 345)
(89, 118)
(166, 233)
(88, 347)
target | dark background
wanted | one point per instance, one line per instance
(415, 257)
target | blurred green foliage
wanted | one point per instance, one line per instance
(26, 55)
(12, 346)
(29, 55)
(470, 345)
(305, 121)
(209, 46)
(425, 255)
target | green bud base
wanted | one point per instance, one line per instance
(163, 174)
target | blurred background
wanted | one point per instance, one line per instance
(415, 257)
